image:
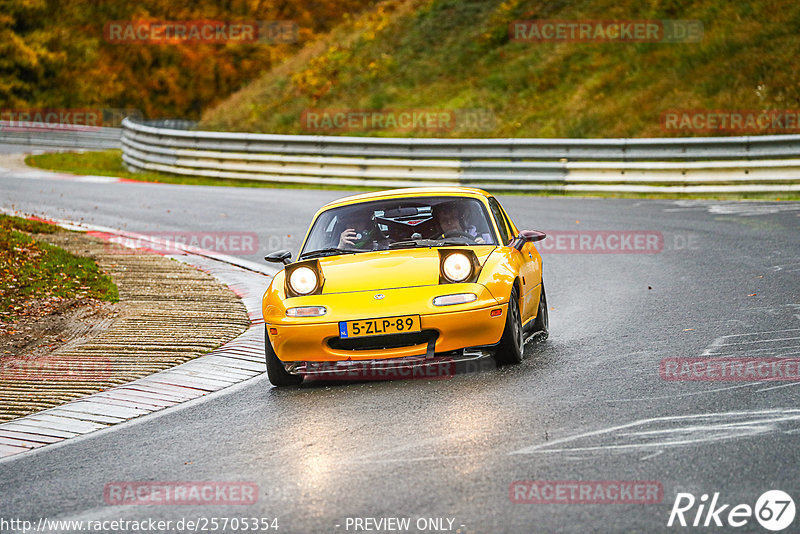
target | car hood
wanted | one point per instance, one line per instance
(387, 269)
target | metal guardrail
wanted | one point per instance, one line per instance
(660, 165)
(59, 136)
(692, 148)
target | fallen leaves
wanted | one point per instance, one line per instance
(36, 276)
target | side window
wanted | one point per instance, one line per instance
(497, 213)
(508, 222)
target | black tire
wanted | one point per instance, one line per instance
(510, 349)
(541, 325)
(275, 370)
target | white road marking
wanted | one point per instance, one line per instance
(692, 394)
(657, 453)
(760, 341)
(685, 430)
(744, 209)
(778, 387)
(788, 267)
(732, 345)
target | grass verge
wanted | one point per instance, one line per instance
(31, 269)
(109, 163)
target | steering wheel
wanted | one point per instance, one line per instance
(458, 233)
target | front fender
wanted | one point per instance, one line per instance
(501, 272)
(272, 301)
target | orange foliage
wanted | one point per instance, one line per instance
(54, 53)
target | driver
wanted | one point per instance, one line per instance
(449, 219)
(360, 231)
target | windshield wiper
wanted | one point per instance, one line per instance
(412, 243)
(332, 251)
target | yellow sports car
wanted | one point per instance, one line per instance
(405, 277)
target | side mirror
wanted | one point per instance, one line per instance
(279, 256)
(527, 236)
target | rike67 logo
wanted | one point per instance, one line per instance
(774, 510)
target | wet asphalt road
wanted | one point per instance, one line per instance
(589, 404)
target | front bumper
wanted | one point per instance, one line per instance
(444, 329)
(421, 367)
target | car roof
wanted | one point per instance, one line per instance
(409, 192)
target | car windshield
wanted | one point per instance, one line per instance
(400, 223)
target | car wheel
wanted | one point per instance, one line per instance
(275, 370)
(511, 344)
(541, 325)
